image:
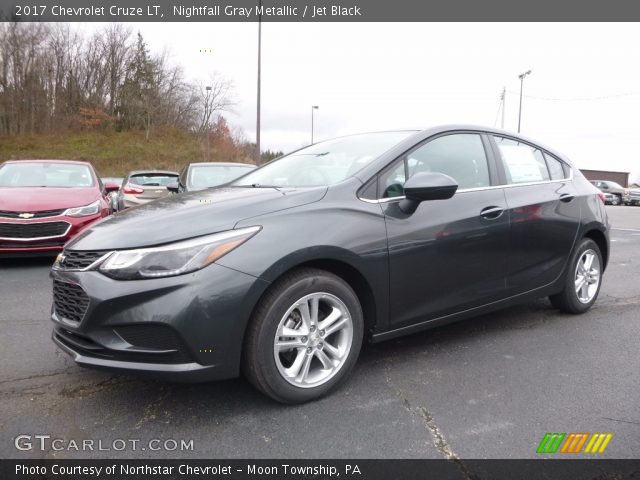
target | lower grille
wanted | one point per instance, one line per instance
(39, 214)
(77, 260)
(70, 301)
(155, 337)
(85, 346)
(22, 245)
(32, 231)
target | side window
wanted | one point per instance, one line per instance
(555, 168)
(522, 162)
(460, 155)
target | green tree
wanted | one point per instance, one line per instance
(140, 92)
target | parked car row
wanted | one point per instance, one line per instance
(616, 194)
(44, 203)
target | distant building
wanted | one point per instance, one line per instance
(619, 177)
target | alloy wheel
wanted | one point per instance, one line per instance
(587, 277)
(313, 340)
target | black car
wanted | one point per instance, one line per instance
(202, 175)
(283, 273)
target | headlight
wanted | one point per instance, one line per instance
(90, 209)
(176, 258)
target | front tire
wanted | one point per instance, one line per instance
(616, 200)
(304, 338)
(583, 279)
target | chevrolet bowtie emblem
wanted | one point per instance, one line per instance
(26, 215)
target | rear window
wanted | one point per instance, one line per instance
(206, 176)
(153, 180)
(45, 175)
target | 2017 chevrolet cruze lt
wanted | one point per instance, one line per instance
(283, 273)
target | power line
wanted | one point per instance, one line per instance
(577, 99)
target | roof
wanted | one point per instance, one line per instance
(224, 164)
(72, 162)
(144, 172)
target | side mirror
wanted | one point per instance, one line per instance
(111, 187)
(173, 187)
(425, 186)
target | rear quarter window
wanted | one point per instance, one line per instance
(557, 169)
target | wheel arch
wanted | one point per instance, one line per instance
(342, 266)
(599, 237)
(356, 281)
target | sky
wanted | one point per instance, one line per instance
(582, 97)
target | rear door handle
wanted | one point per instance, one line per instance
(566, 197)
(491, 213)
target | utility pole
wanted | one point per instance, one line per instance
(208, 128)
(313, 107)
(503, 97)
(258, 151)
(521, 77)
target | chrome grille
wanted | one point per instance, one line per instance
(38, 214)
(33, 231)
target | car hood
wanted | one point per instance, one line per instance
(32, 199)
(189, 215)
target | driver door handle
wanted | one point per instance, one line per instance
(566, 197)
(491, 213)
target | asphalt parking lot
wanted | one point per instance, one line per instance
(488, 387)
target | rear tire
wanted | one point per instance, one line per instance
(583, 279)
(304, 337)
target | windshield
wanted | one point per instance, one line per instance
(324, 163)
(36, 174)
(207, 176)
(153, 179)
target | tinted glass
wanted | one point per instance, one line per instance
(207, 176)
(461, 156)
(522, 163)
(324, 163)
(34, 174)
(555, 168)
(153, 180)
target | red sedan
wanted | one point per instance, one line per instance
(43, 203)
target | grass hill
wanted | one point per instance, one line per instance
(116, 153)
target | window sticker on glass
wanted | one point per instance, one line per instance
(521, 163)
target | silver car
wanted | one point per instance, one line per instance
(202, 175)
(143, 186)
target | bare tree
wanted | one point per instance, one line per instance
(52, 77)
(215, 98)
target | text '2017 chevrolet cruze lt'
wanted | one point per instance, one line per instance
(282, 273)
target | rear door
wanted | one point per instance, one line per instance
(544, 212)
(449, 255)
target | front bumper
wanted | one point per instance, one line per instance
(48, 237)
(183, 328)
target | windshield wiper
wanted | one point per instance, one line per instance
(258, 185)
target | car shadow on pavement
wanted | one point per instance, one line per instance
(237, 395)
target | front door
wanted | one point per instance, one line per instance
(449, 255)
